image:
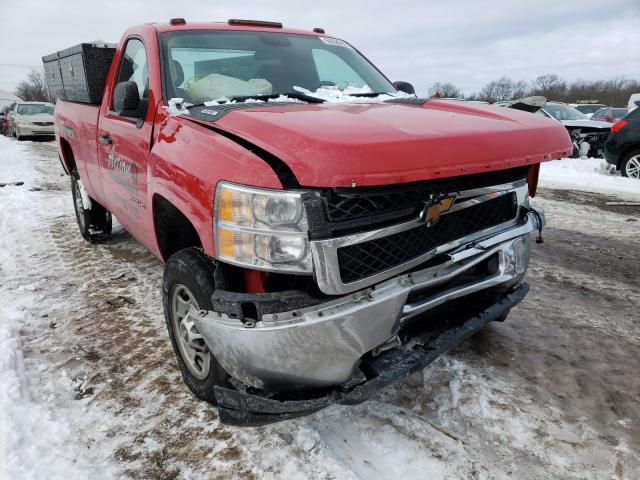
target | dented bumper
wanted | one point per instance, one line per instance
(321, 346)
(240, 407)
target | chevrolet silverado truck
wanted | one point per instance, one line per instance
(324, 231)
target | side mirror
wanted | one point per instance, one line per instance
(405, 87)
(126, 99)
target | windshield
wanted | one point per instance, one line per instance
(205, 65)
(562, 112)
(35, 109)
(591, 108)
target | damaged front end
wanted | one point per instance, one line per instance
(588, 136)
(588, 141)
(387, 300)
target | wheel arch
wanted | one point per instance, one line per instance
(626, 152)
(67, 157)
(173, 229)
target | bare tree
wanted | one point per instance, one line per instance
(498, 90)
(615, 91)
(445, 90)
(520, 90)
(550, 85)
(34, 88)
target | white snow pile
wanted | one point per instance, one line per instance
(333, 94)
(32, 435)
(330, 94)
(177, 106)
(590, 175)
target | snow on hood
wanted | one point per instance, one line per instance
(178, 106)
(350, 94)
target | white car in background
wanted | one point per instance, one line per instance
(33, 119)
(587, 108)
(633, 99)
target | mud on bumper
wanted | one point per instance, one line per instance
(245, 408)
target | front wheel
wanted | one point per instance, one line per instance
(189, 282)
(94, 221)
(630, 166)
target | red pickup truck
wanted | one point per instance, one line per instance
(324, 231)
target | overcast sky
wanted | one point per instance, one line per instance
(467, 42)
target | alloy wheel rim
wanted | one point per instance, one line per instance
(193, 349)
(633, 167)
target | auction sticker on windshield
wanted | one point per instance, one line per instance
(335, 41)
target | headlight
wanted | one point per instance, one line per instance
(260, 228)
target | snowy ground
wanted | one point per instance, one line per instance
(89, 386)
(589, 175)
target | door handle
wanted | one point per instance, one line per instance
(105, 139)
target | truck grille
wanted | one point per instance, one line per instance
(43, 124)
(369, 258)
(349, 204)
(339, 212)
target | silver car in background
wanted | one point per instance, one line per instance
(33, 119)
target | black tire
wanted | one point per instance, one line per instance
(94, 223)
(193, 269)
(625, 161)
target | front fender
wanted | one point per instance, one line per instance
(186, 163)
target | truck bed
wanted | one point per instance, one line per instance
(76, 127)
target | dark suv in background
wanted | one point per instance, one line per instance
(622, 148)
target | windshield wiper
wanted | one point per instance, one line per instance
(294, 95)
(304, 97)
(369, 94)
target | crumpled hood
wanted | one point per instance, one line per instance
(342, 145)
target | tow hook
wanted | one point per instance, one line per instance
(539, 224)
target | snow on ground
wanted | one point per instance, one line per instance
(34, 435)
(89, 387)
(589, 175)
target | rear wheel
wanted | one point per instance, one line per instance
(94, 221)
(189, 282)
(630, 166)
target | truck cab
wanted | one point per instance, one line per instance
(314, 218)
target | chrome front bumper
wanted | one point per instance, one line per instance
(35, 130)
(321, 346)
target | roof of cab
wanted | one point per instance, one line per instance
(168, 27)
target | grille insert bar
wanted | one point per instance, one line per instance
(362, 260)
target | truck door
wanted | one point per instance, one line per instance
(124, 142)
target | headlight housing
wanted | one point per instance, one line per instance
(261, 228)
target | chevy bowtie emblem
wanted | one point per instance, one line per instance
(432, 212)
